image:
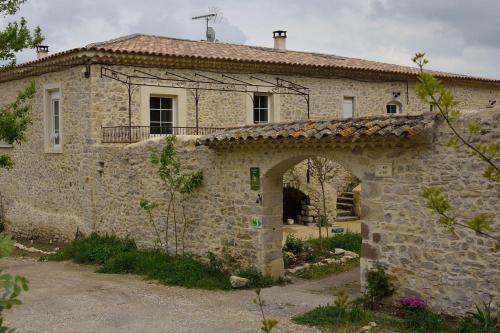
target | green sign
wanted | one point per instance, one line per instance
(255, 178)
(257, 222)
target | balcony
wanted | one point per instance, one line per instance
(132, 134)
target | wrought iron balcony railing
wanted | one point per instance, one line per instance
(132, 134)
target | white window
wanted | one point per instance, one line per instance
(161, 115)
(261, 109)
(393, 108)
(55, 115)
(348, 107)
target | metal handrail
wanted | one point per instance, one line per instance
(132, 134)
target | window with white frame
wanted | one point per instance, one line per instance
(393, 108)
(55, 113)
(161, 114)
(261, 109)
(348, 107)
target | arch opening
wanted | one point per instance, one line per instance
(296, 205)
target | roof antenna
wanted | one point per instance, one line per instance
(214, 16)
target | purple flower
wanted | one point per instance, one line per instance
(412, 303)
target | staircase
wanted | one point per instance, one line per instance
(345, 207)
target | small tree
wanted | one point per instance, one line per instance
(431, 90)
(178, 186)
(323, 171)
(267, 324)
(14, 121)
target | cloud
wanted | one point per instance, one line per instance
(458, 35)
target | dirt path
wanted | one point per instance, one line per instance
(65, 297)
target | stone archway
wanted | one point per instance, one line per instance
(272, 202)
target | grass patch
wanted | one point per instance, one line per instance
(121, 256)
(333, 316)
(350, 319)
(348, 241)
(318, 272)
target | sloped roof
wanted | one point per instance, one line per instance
(158, 45)
(346, 130)
(140, 44)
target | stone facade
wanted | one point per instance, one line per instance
(97, 187)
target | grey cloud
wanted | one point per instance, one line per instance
(458, 35)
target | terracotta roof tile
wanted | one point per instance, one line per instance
(139, 43)
(164, 46)
(345, 130)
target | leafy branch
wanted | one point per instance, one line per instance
(431, 90)
(10, 286)
(267, 324)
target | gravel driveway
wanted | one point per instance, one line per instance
(66, 297)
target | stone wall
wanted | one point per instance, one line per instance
(228, 109)
(96, 187)
(48, 194)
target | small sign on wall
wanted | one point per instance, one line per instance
(383, 170)
(257, 222)
(255, 178)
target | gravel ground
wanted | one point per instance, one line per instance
(66, 297)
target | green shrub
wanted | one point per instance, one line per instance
(378, 285)
(293, 244)
(423, 321)
(182, 271)
(94, 249)
(257, 280)
(122, 257)
(484, 320)
(348, 241)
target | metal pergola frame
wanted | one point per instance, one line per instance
(205, 83)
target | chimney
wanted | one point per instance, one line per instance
(279, 39)
(42, 51)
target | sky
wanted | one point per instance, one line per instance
(459, 36)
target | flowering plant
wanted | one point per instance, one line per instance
(412, 303)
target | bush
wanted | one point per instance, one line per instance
(484, 320)
(423, 321)
(378, 285)
(293, 245)
(412, 303)
(94, 249)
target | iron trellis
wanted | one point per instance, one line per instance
(205, 83)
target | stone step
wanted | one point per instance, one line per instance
(346, 218)
(346, 206)
(346, 194)
(345, 199)
(343, 212)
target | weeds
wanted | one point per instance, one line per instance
(121, 256)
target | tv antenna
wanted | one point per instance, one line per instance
(215, 16)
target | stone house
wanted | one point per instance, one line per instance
(99, 108)
(138, 86)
